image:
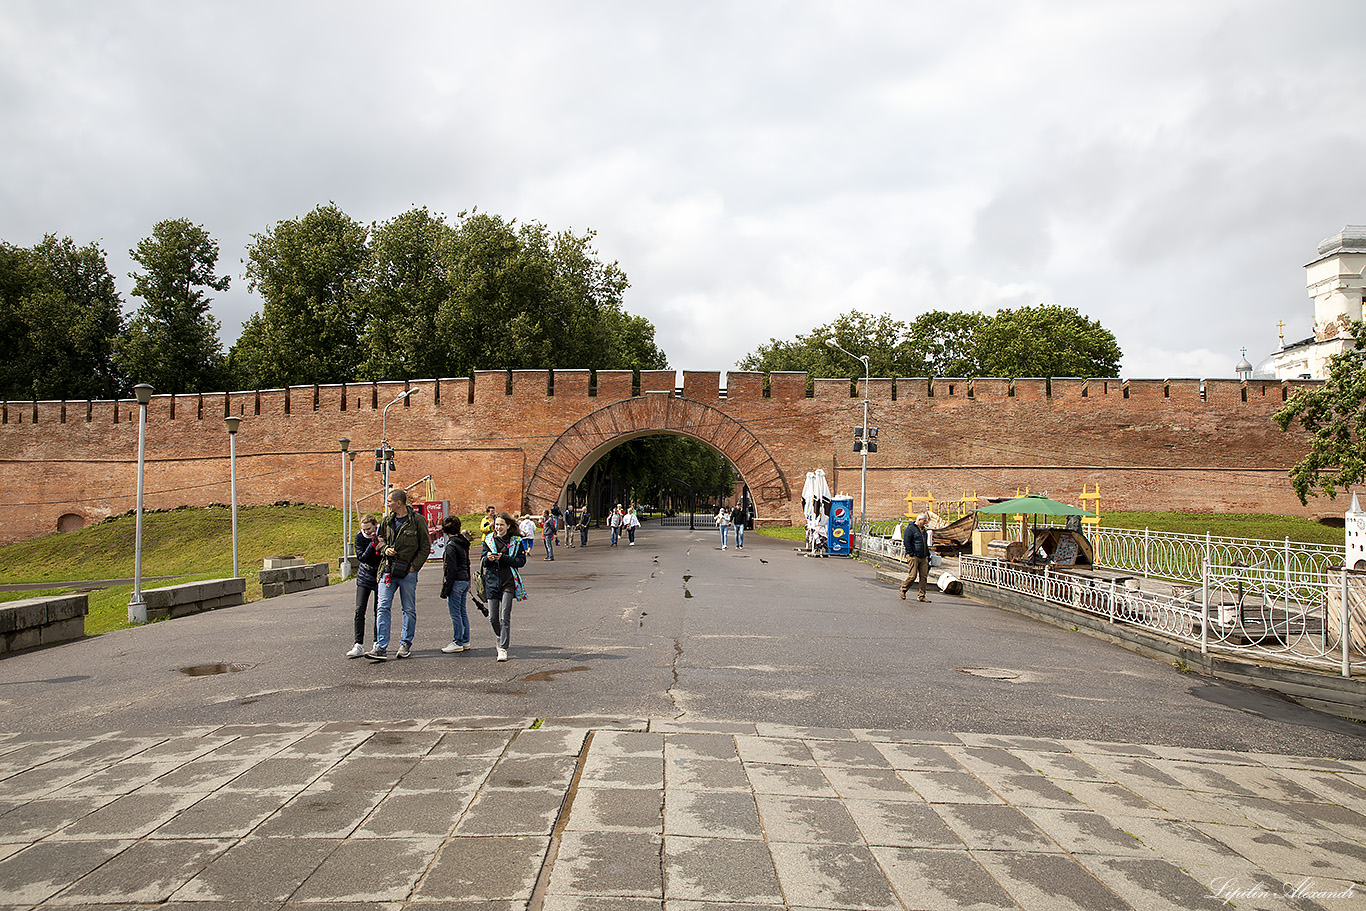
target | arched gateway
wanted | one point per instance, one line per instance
(585, 441)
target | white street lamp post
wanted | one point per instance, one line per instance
(233, 424)
(384, 436)
(137, 605)
(345, 562)
(863, 475)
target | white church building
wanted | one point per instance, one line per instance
(1336, 279)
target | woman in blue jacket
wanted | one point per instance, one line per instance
(502, 557)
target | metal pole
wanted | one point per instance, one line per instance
(344, 565)
(863, 472)
(232, 460)
(233, 423)
(137, 605)
(1346, 631)
(1204, 608)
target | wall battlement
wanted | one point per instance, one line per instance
(497, 386)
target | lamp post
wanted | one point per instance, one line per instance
(137, 605)
(863, 474)
(344, 564)
(351, 502)
(233, 424)
(385, 454)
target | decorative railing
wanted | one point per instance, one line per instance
(1182, 557)
(1296, 617)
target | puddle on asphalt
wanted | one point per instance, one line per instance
(686, 593)
(990, 673)
(544, 676)
(687, 577)
(207, 670)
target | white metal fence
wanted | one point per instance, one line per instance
(1297, 617)
(1182, 557)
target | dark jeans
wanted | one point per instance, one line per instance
(500, 614)
(583, 535)
(367, 591)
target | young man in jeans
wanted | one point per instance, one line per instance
(406, 544)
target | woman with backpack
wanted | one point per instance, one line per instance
(502, 557)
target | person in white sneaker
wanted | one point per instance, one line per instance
(723, 523)
(455, 583)
(403, 532)
(501, 555)
(367, 580)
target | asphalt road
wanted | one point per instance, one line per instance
(671, 628)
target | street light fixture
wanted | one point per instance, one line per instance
(137, 605)
(233, 423)
(864, 435)
(384, 455)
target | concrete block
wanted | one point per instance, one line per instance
(23, 638)
(272, 589)
(63, 630)
(282, 562)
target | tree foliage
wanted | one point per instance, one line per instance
(1028, 341)
(661, 465)
(307, 272)
(1334, 415)
(60, 316)
(172, 341)
(420, 296)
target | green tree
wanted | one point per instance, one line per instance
(60, 315)
(404, 287)
(172, 341)
(1334, 414)
(943, 343)
(308, 331)
(880, 337)
(488, 294)
(1046, 340)
(1030, 341)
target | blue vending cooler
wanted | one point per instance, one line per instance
(841, 526)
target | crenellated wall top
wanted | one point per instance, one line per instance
(569, 385)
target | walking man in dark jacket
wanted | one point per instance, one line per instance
(406, 544)
(917, 545)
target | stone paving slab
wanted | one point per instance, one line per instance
(481, 814)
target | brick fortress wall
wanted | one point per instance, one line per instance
(1150, 444)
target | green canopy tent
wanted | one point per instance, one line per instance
(1048, 542)
(1033, 504)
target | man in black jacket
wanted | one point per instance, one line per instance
(917, 545)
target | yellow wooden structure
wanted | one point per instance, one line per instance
(1090, 501)
(950, 510)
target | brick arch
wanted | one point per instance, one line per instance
(588, 439)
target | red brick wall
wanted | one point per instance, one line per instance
(1150, 444)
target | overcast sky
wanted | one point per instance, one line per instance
(756, 168)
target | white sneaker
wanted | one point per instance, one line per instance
(502, 654)
(356, 651)
(453, 647)
(723, 547)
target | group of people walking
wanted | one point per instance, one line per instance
(736, 518)
(621, 520)
(390, 552)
